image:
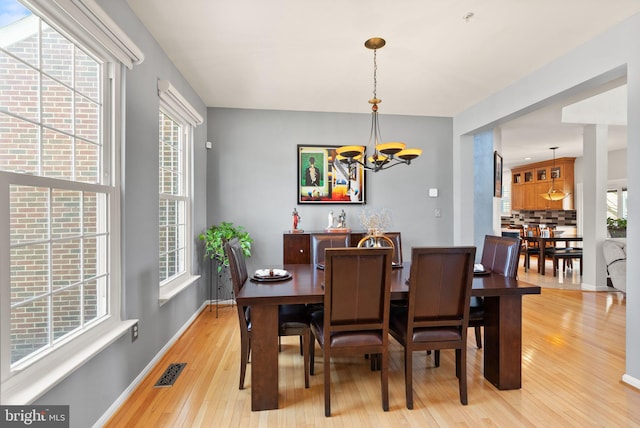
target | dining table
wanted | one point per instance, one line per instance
(305, 285)
(543, 244)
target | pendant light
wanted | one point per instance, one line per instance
(554, 194)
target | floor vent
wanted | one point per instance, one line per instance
(170, 375)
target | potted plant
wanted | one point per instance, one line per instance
(215, 237)
(617, 227)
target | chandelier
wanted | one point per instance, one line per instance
(553, 194)
(385, 155)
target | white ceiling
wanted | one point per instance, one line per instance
(309, 56)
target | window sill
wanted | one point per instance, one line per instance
(36, 379)
(171, 290)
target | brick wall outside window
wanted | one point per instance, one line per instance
(50, 126)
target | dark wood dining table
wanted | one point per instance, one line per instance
(502, 332)
(544, 240)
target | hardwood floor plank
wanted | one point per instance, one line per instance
(572, 363)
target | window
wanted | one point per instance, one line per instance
(59, 197)
(505, 202)
(176, 121)
(617, 202)
(174, 198)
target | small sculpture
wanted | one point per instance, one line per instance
(296, 219)
(342, 220)
(331, 220)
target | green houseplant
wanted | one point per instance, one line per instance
(617, 227)
(215, 237)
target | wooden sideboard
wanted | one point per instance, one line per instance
(296, 247)
(528, 182)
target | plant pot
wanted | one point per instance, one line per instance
(618, 232)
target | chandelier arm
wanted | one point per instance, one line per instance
(397, 162)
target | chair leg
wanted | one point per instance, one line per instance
(384, 379)
(461, 364)
(327, 385)
(312, 352)
(436, 357)
(244, 357)
(478, 337)
(301, 346)
(580, 265)
(304, 339)
(408, 378)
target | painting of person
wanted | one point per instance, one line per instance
(313, 175)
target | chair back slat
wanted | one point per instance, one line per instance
(500, 254)
(237, 264)
(357, 288)
(321, 241)
(440, 286)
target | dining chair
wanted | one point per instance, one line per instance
(500, 254)
(322, 241)
(355, 319)
(393, 239)
(437, 313)
(531, 246)
(293, 320)
(319, 243)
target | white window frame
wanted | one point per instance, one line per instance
(174, 105)
(619, 187)
(84, 23)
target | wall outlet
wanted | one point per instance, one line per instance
(134, 332)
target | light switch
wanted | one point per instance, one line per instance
(433, 193)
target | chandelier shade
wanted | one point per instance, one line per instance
(384, 155)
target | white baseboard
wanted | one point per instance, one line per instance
(591, 287)
(127, 392)
(630, 380)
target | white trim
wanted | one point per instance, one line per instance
(21, 389)
(630, 380)
(132, 386)
(169, 291)
(79, 16)
(178, 104)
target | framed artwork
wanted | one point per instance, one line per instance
(324, 180)
(497, 175)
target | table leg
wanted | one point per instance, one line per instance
(541, 257)
(264, 357)
(503, 341)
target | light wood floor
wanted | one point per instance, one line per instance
(573, 360)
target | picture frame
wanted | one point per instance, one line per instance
(322, 179)
(497, 174)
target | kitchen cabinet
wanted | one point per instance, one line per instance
(529, 181)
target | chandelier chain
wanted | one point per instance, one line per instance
(375, 74)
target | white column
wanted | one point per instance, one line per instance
(594, 276)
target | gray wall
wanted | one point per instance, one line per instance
(95, 386)
(253, 163)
